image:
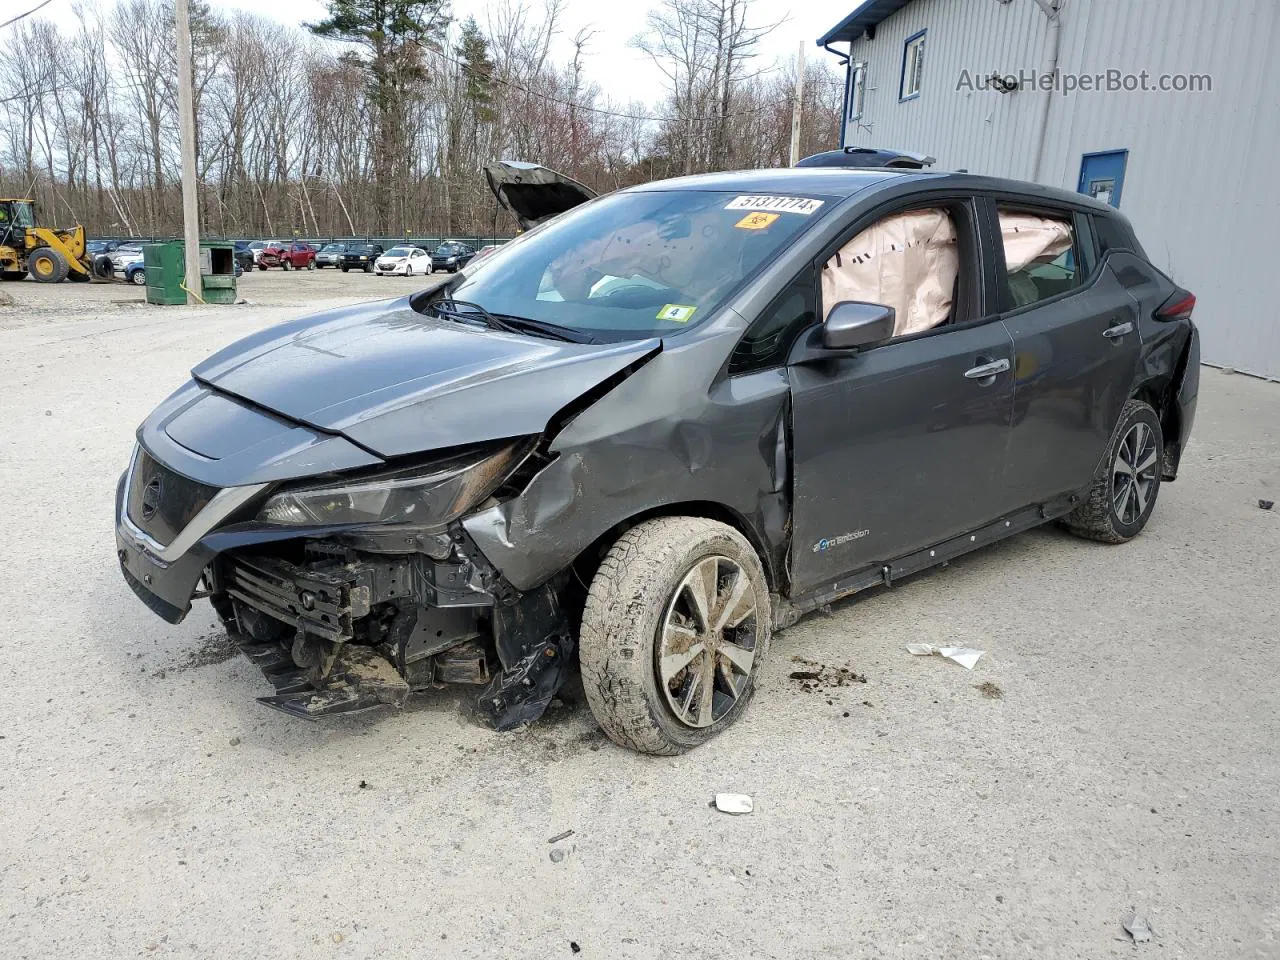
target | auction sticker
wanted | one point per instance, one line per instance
(676, 312)
(802, 205)
(756, 221)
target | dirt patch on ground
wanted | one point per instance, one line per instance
(989, 690)
(818, 677)
(214, 648)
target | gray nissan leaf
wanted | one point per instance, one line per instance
(654, 429)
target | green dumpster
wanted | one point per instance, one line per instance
(164, 267)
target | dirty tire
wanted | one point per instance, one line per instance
(626, 609)
(1097, 518)
(47, 266)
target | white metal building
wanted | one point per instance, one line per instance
(1192, 165)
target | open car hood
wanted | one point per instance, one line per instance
(396, 381)
(533, 193)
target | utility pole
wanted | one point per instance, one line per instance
(796, 107)
(187, 128)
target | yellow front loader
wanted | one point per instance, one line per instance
(47, 254)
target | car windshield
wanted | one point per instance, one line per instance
(333, 248)
(638, 264)
(361, 248)
(258, 245)
(398, 252)
(448, 249)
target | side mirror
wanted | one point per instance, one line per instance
(852, 324)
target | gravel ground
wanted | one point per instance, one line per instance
(1115, 749)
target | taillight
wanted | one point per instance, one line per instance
(1177, 307)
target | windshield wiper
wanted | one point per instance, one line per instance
(545, 328)
(467, 310)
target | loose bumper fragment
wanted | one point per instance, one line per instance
(361, 679)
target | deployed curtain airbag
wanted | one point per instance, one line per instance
(908, 261)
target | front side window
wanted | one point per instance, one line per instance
(912, 66)
(640, 264)
(909, 261)
(1039, 255)
(769, 339)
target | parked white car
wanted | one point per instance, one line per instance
(403, 261)
(124, 255)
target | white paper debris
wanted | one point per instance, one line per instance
(1139, 929)
(734, 803)
(964, 656)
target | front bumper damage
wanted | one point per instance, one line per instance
(336, 629)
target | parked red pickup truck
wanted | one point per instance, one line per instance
(289, 256)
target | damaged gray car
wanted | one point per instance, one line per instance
(655, 429)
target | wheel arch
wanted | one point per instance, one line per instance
(589, 559)
(1159, 390)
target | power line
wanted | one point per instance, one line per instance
(27, 14)
(489, 78)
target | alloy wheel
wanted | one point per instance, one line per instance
(1134, 473)
(707, 642)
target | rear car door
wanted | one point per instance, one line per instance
(903, 444)
(1076, 341)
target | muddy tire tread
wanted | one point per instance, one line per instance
(631, 588)
(1093, 519)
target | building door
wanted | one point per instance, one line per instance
(1102, 175)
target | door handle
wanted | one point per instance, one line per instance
(985, 371)
(1119, 330)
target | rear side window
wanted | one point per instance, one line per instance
(1114, 233)
(1039, 255)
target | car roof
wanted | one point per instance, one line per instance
(829, 181)
(846, 182)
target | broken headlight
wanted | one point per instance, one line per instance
(423, 496)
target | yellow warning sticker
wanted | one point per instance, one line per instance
(756, 221)
(676, 312)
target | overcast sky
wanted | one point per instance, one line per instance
(622, 73)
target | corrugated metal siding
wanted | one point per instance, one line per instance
(1199, 185)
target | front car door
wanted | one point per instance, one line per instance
(1076, 344)
(902, 445)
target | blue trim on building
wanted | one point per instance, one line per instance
(902, 72)
(867, 14)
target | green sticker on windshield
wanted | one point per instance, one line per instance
(676, 312)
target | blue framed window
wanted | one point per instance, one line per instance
(912, 67)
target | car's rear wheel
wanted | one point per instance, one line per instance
(1124, 492)
(676, 624)
(138, 278)
(311, 265)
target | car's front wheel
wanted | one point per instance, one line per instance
(1124, 492)
(286, 264)
(676, 625)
